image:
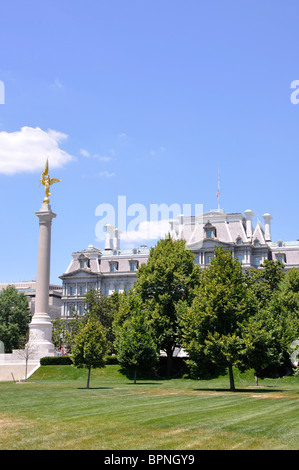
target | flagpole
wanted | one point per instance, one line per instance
(218, 193)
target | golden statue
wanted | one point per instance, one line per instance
(46, 181)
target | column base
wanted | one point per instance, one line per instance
(40, 336)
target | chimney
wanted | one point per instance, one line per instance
(267, 219)
(249, 214)
(116, 241)
(109, 234)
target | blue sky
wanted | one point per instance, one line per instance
(143, 99)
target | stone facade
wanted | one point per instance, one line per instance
(106, 270)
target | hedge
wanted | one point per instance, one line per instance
(67, 360)
(56, 361)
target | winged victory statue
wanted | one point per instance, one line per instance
(47, 182)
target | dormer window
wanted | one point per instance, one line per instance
(210, 230)
(113, 266)
(256, 243)
(239, 241)
(133, 265)
(83, 262)
(280, 243)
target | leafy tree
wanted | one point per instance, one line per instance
(135, 346)
(14, 318)
(90, 347)
(61, 335)
(103, 309)
(282, 316)
(168, 277)
(212, 324)
(265, 282)
(260, 351)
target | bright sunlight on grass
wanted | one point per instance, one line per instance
(54, 410)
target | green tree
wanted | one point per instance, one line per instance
(266, 281)
(103, 309)
(260, 351)
(168, 278)
(212, 324)
(59, 332)
(282, 315)
(14, 318)
(90, 347)
(135, 346)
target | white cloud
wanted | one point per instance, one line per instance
(101, 158)
(106, 174)
(27, 150)
(57, 84)
(146, 231)
(84, 152)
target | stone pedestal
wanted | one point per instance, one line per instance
(40, 328)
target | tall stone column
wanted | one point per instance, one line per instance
(40, 328)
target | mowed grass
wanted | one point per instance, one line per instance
(58, 412)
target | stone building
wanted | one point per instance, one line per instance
(113, 269)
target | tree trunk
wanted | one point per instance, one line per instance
(231, 378)
(26, 368)
(88, 377)
(256, 380)
(135, 376)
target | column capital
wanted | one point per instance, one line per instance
(45, 213)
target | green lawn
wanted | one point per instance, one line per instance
(58, 412)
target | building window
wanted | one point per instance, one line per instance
(83, 262)
(196, 259)
(116, 289)
(210, 231)
(239, 241)
(209, 258)
(240, 258)
(81, 309)
(256, 243)
(281, 257)
(113, 266)
(107, 290)
(257, 260)
(72, 310)
(133, 265)
(280, 244)
(82, 290)
(72, 290)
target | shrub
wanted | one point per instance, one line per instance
(56, 361)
